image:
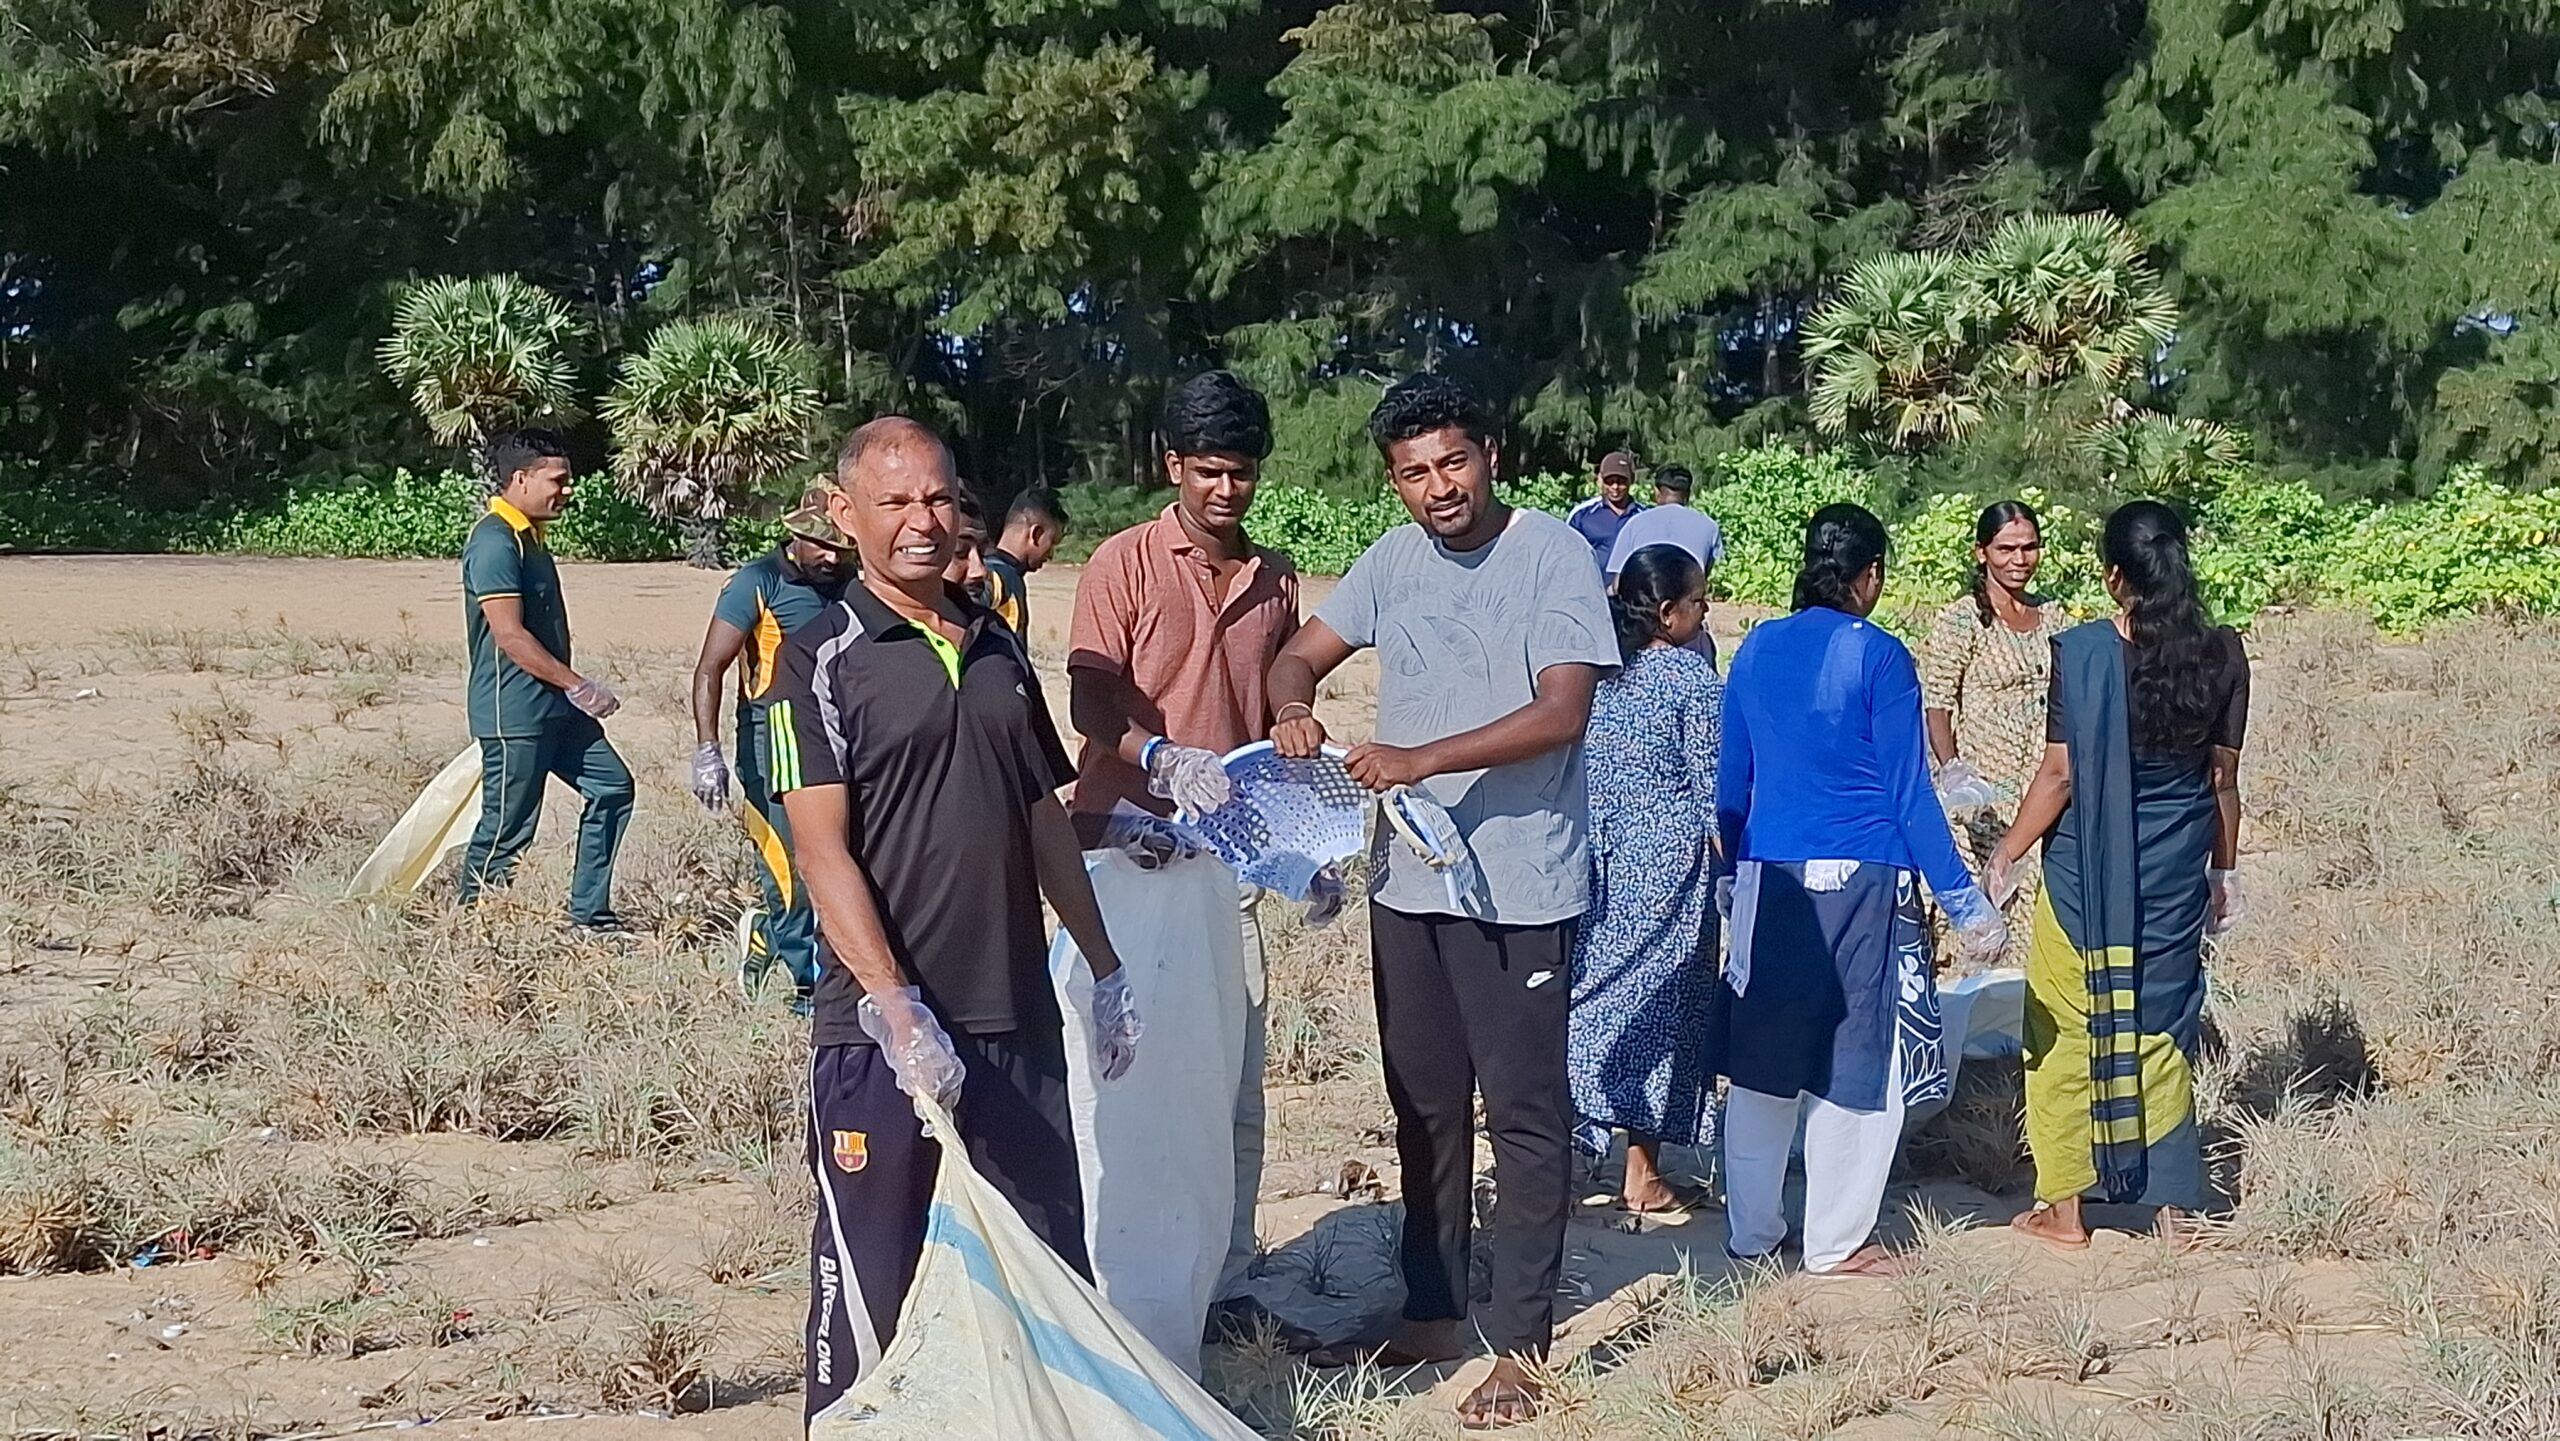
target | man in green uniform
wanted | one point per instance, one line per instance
(770, 597)
(534, 716)
(1033, 526)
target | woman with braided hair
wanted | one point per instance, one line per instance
(1983, 666)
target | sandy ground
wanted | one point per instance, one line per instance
(102, 658)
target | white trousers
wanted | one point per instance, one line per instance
(1847, 1157)
(1155, 1150)
(1243, 1242)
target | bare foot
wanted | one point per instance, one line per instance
(1653, 1199)
(2053, 1225)
(1645, 1190)
(2178, 1229)
(1506, 1397)
(1870, 1261)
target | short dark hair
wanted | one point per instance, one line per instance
(1037, 504)
(1216, 413)
(1676, 479)
(970, 507)
(510, 451)
(1421, 404)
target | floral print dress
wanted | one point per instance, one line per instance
(1645, 1021)
(1992, 681)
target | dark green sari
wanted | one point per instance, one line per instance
(2115, 975)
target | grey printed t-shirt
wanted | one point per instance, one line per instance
(1461, 637)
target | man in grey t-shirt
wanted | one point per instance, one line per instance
(1491, 634)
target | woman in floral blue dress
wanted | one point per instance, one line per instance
(1644, 1026)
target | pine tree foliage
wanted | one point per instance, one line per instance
(1635, 222)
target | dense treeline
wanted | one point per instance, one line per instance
(1019, 217)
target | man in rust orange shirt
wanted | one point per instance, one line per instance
(1176, 624)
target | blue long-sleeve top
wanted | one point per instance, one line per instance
(1823, 755)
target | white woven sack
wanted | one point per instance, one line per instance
(999, 1339)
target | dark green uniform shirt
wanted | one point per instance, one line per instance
(768, 599)
(505, 556)
(1009, 594)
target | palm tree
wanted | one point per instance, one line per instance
(1894, 353)
(481, 354)
(2146, 453)
(2071, 299)
(709, 412)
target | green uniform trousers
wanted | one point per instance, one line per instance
(787, 931)
(512, 772)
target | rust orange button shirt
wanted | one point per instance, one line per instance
(1145, 610)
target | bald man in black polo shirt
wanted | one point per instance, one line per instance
(918, 763)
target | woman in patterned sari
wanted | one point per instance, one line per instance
(2138, 806)
(1984, 665)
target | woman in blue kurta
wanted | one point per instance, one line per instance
(2138, 806)
(1644, 1019)
(1823, 799)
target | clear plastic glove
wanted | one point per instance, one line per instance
(1962, 788)
(1325, 897)
(2230, 903)
(711, 777)
(1724, 897)
(914, 1044)
(1193, 779)
(1153, 843)
(1115, 1025)
(595, 698)
(1979, 929)
(2001, 879)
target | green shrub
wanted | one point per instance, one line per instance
(395, 517)
(1323, 533)
(1761, 499)
(2472, 546)
(2260, 541)
(1549, 491)
(1933, 558)
(604, 524)
(67, 514)
(403, 515)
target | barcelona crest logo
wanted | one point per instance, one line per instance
(852, 1150)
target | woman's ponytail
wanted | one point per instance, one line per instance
(1841, 543)
(1652, 578)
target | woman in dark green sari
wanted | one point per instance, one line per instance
(2137, 803)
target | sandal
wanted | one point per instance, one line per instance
(1492, 1407)
(2025, 1224)
(1684, 1199)
(1869, 1262)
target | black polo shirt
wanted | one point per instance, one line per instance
(941, 752)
